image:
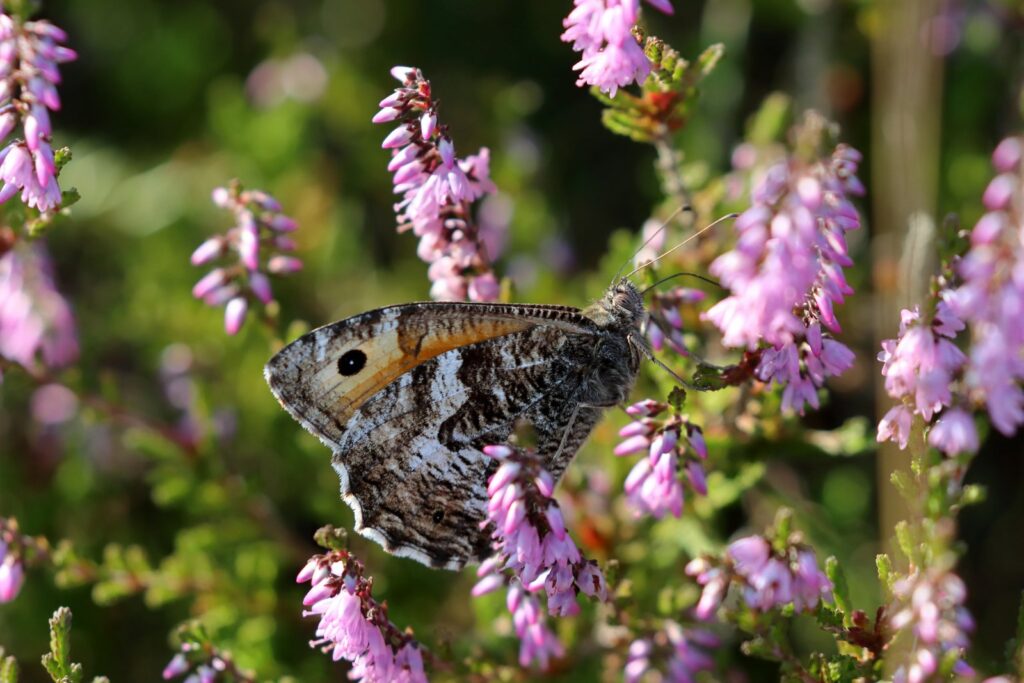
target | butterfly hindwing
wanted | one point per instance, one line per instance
(437, 382)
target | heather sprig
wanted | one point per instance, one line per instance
(439, 191)
(13, 547)
(920, 367)
(603, 32)
(675, 454)
(533, 552)
(929, 608)
(30, 55)
(785, 274)
(201, 659)
(37, 328)
(355, 627)
(769, 572)
(256, 247)
(990, 298)
(679, 653)
(57, 661)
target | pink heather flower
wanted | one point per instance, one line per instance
(785, 273)
(203, 661)
(36, 324)
(30, 52)
(655, 484)
(954, 433)
(354, 626)
(768, 580)
(919, 368)
(537, 642)
(12, 575)
(991, 297)
(930, 606)
(895, 426)
(533, 552)
(260, 230)
(680, 652)
(529, 536)
(438, 192)
(602, 30)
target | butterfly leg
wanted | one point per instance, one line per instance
(567, 432)
(646, 351)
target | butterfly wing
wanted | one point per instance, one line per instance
(406, 396)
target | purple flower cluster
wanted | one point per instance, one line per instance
(531, 543)
(683, 650)
(35, 320)
(602, 30)
(655, 484)
(538, 644)
(203, 673)
(202, 660)
(768, 578)
(354, 626)
(785, 273)
(920, 367)
(664, 322)
(256, 242)
(930, 605)
(438, 190)
(29, 56)
(12, 574)
(991, 296)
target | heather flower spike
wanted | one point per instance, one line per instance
(353, 626)
(921, 367)
(202, 660)
(533, 552)
(767, 578)
(13, 546)
(602, 31)
(30, 52)
(36, 323)
(785, 274)
(674, 451)
(257, 247)
(679, 652)
(929, 604)
(990, 298)
(439, 191)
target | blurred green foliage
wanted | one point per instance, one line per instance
(170, 99)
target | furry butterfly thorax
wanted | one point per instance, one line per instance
(407, 397)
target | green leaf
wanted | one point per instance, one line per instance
(905, 540)
(884, 567)
(57, 661)
(840, 588)
(8, 668)
(972, 494)
(331, 538)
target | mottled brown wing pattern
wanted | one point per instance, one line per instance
(411, 455)
(430, 385)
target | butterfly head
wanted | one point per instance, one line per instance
(622, 306)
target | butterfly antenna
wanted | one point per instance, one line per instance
(684, 242)
(673, 276)
(684, 207)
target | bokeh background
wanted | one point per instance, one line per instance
(171, 98)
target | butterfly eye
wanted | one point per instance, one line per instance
(438, 516)
(351, 362)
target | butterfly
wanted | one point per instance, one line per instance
(407, 397)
